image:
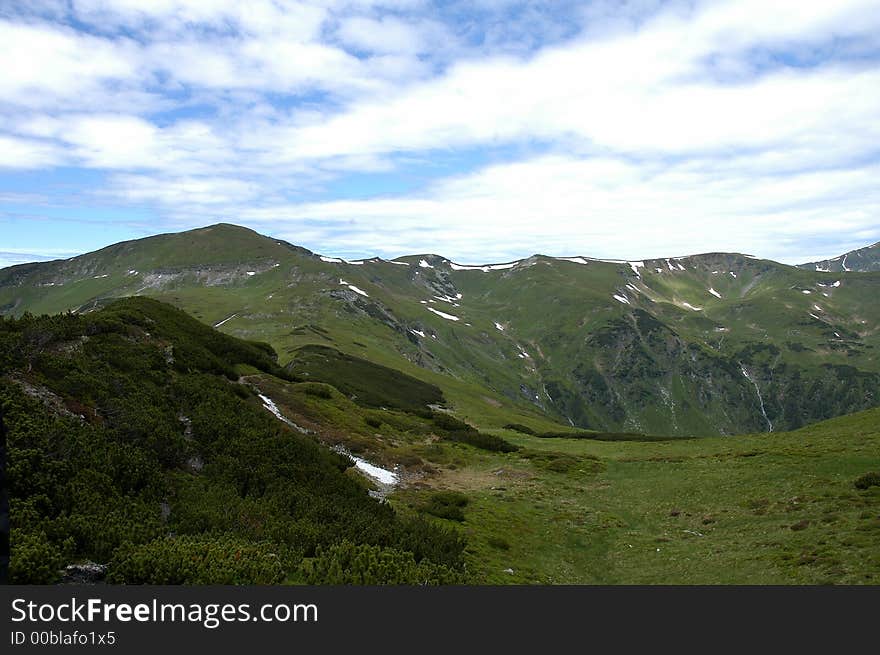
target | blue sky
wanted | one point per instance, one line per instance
(483, 130)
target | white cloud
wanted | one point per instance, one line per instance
(47, 66)
(392, 35)
(673, 126)
(598, 207)
(27, 153)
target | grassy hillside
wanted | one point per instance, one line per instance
(788, 508)
(716, 343)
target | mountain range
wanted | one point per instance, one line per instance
(715, 343)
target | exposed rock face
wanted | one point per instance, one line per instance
(87, 573)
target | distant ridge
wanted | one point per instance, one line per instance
(863, 260)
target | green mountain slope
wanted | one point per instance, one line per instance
(862, 260)
(717, 343)
(133, 443)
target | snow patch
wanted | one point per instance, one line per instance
(836, 284)
(635, 266)
(98, 277)
(573, 260)
(714, 293)
(806, 291)
(250, 273)
(690, 306)
(272, 407)
(499, 327)
(382, 475)
(424, 264)
(622, 299)
(418, 332)
(732, 274)
(448, 317)
(228, 318)
(485, 269)
(331, 260)
(354, 288)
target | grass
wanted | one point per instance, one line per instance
(758, 509)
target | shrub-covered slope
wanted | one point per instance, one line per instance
(131, 443)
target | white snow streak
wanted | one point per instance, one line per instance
(448, 317)
(758, 391)
(216, 325)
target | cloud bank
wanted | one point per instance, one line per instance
(480, 130)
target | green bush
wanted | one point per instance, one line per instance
(446, 505)
(498, 543)
(350, 564)
(482, 440)
(34, 559)
(867, 480)
(316, 389)
(519, 427)
(197, 560)
(449, 423)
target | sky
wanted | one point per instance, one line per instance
(481, 130)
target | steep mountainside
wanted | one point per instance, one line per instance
(862, 260)
(716, 343)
